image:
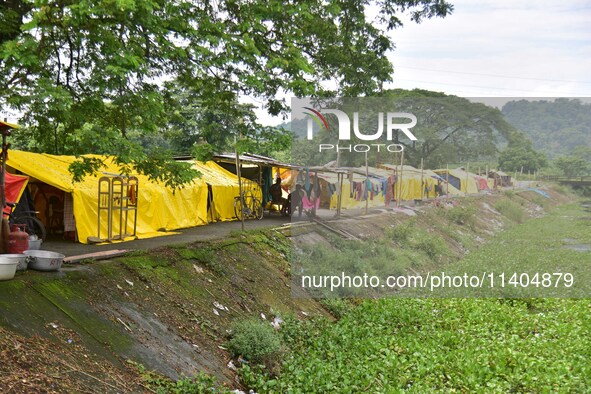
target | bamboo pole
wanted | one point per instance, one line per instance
(240, 193)
(400, 180)
(422, 181)
(396, 184)
(340, 177)
(366, 183)
(316, 188)
(447, 181)
(515, 180)
(467, 176)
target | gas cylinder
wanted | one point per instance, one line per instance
(18, 239)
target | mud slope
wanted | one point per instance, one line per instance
(168, 310)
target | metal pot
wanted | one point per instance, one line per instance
(43, 260)
(8, 266)
(20, 259)
(35, 244)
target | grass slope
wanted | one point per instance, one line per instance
(454, 345)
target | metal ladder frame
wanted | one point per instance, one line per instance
(117, 196)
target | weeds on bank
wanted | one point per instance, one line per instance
(511, 210)
(198, 384)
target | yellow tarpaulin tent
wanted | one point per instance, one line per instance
(351, 200)
(159, 208)
(224, 187)
(468, 183)
(410, 186)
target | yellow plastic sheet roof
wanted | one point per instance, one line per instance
(160, 208)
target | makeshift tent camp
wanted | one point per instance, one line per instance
(460, 179)
(356, 188)
(405, 184)
(307, 179)
(415, 179)
(159, 208)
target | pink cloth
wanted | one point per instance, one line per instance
(308, 204)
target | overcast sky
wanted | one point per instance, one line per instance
(525, 48)
(497, 48)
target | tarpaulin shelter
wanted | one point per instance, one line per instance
(160, 208)
(460, 179)
(260, 171)
(14, 186)
(482, 183)
(5, 131)
(223, 187)
(416, 183)
(308, 178)
(8, 125)
(356, 189)
(500, 178)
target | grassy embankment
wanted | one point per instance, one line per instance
(462, 345)
(157, 308)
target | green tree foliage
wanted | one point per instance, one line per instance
(573, 165)
(555, 127)
(452, 129)
(449, 129)
(80, 68)
(521, 156)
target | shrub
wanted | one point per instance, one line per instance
(509, 193)
(432, 245)
(511, 210)
(256, 341)
(461, 215)
(198, 384)
(337, 307)
(400, 233)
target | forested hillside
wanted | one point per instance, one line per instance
(556, 127)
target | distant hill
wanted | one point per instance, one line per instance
(555, 127)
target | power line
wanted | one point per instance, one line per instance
(489, 87)
(492, 75)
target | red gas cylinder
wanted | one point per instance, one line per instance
(18, 240)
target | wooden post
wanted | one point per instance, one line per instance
(396, 185)
(467, 176)
(2, 172)
(515, 180)
(400, 180)
(366, 182)
(316, 193)
(340, 195)
(422, 181)
(340, 185)
(447, 181)
(239, 174)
